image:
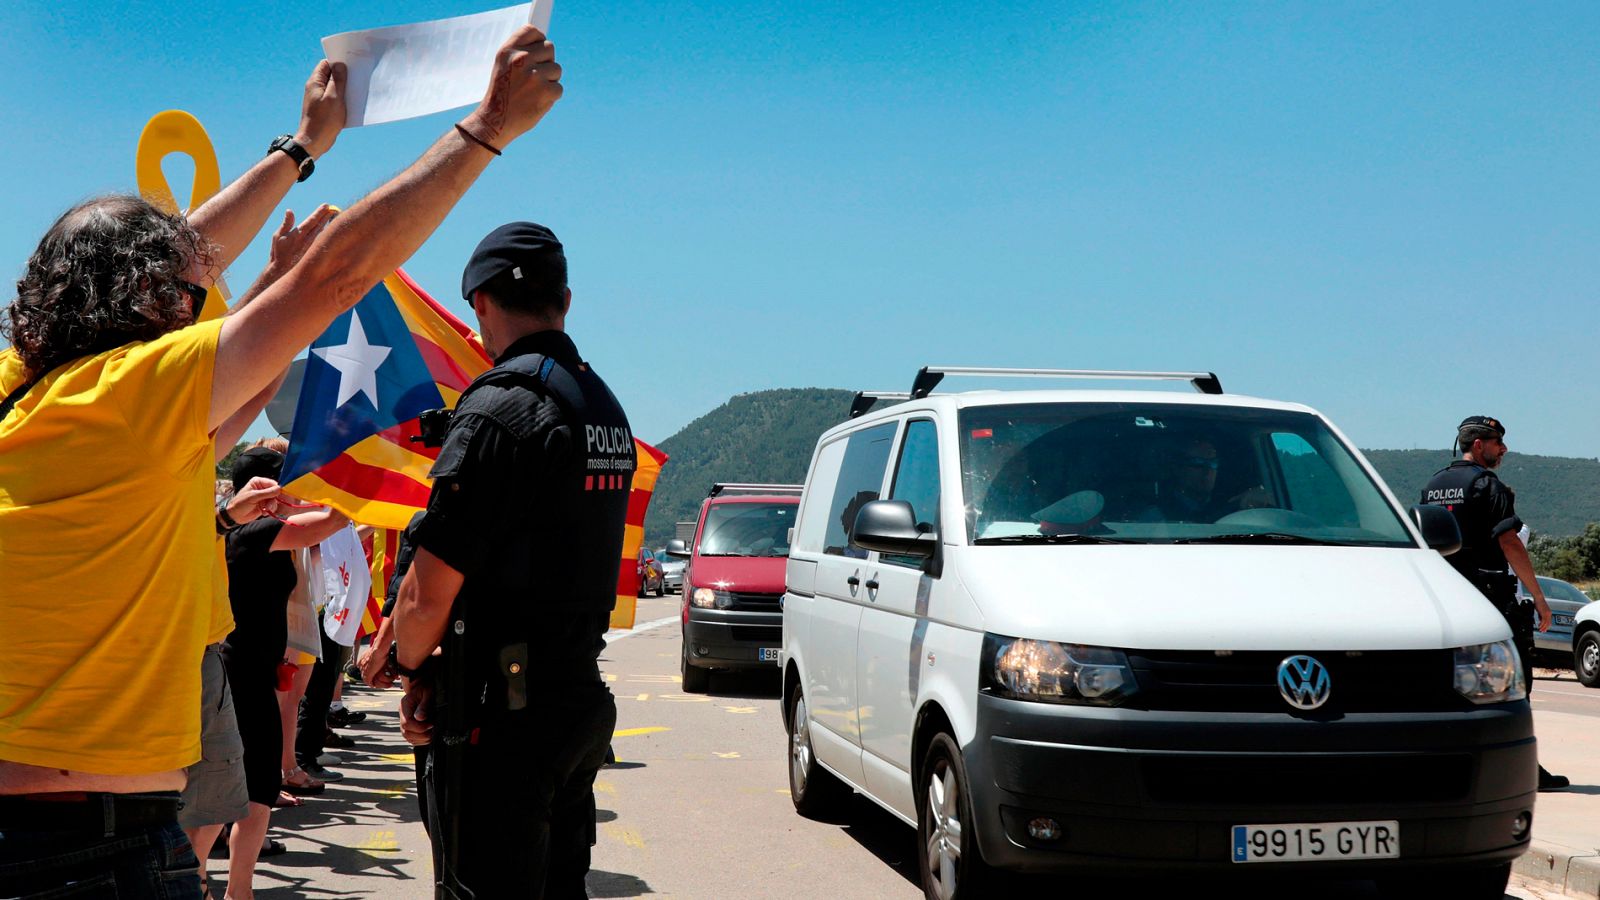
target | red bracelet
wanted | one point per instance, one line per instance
(476, 140)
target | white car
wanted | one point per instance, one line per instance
(1071, 630)
(1586, 644)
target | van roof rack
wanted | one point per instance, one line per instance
(735, 488)
(928, 377)
(864, 400)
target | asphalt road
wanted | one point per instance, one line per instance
(697, 806)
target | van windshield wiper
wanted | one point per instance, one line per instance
(1256, 537)
(1052, 539)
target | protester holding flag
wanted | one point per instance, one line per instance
(107, 357)
(519, 548)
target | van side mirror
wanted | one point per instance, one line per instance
(677, 549)
(1438, 526)
(890, 526)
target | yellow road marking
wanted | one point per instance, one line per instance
(685, 698)
(396, 790)
(366, 704)
(655, 679)
(784, 791)
(610, 677)
(739, 710)
(642, 697)
(634, 732)
(380, 840)
(623, 835)
(604, 787)
(399, 757)
(732, 755)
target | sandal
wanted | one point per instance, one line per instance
(307, 788)
(273, 847)
(286, 800)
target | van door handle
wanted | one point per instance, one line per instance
(872, 584)
(853, 581)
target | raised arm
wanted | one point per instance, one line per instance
(231, 219)
(381, 231)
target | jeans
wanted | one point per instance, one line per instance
(154, 863)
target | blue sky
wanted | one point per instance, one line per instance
(1390, 212)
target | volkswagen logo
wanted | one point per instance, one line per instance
(1303, 682)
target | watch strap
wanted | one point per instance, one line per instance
(300, 155)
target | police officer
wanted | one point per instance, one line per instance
(1485, 509)
(513, 580)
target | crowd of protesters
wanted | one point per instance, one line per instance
(146, 622)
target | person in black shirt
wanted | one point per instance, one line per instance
(1486, 511)
(516, 571)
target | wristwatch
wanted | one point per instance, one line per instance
(394, 662)
(299, 154)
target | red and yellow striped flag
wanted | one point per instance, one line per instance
(644, 485)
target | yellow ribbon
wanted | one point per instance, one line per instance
(176, 131)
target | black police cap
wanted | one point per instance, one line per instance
(1488, 422)
(257, 461)
(525, 249)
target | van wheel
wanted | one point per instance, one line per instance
(816, 792)
(952, 866)
(695, 679)
(1586, 659)
(1481, 883)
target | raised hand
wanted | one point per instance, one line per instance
(322, 109)
(525, 83)
(290, 242)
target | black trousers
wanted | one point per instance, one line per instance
(522, 820)
(312, 726)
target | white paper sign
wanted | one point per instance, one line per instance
(404, 71)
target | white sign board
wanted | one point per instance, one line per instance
(404, 71)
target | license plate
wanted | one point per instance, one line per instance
(1560, 619)
(1316, 841)
(767, 654)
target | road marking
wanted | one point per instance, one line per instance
(399, 757)
(634, 732)
(784, 791)
(623, 835)
(737, 710)
(642, 697)
(604, 787)
(380, 840)
(654, 679)
(732, 755)
(367, 704)
(610, 677)
(396, 790)
(617, 634)
(685, 698)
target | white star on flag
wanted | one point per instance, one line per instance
(357, 362)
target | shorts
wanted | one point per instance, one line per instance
(215, 793)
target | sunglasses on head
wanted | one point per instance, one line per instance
(1200, 462)
(197, 296)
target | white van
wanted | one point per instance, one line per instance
(1073, 630)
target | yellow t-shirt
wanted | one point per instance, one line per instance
(107, 556)
(221, 606)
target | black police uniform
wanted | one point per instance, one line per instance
(529, 502)
(1485, 509)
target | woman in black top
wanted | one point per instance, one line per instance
(261, 576)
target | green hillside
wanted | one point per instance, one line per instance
(1556, 495)
(765, 437)
(768, 436)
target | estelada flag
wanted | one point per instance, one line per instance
(383, 362)
(644, 485)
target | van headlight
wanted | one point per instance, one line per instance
(1053, 672)
(706, 598)
(1490, 673)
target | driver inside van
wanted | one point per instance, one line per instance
(1187, 490)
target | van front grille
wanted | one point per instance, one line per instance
(1247, 681)
(751, 601)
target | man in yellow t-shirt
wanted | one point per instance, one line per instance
(111, 401)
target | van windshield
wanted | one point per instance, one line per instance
(747, 529)
(1165, 473)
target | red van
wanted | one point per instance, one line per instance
(733, 584)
